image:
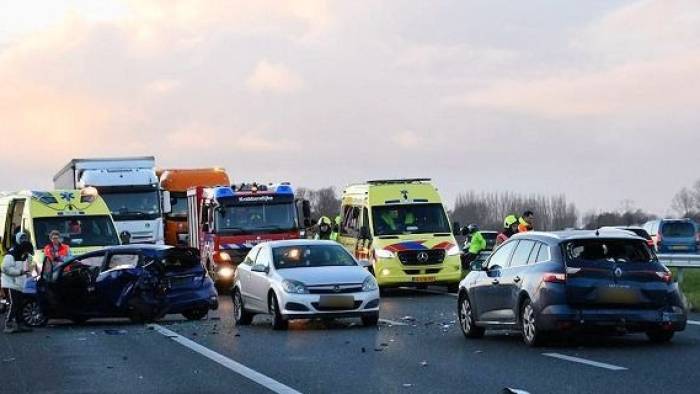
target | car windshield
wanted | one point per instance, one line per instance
(80, 231)
(409, 219)
(678, 229)
(178, 202)
(257, 217)
(612, 250)
(133, 205)
(299, 256)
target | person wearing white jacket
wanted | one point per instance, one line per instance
(16, 267)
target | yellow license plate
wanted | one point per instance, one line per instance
(424, 279)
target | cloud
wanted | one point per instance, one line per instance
(274, 78)
(637, 88)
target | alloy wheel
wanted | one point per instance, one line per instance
(32, 314)
(465, 315)
(529, 329)
(237, 306)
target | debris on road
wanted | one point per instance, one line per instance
(509, 390)
(408, 318)
(364, 350)
(423, 363)
(407, 385)
(8, 360)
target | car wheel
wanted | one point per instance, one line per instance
(466, 319)
(32, 315)
(370, 320)
(195, 314)
(659, 336)
(528, 324)
(278, 321)
(240, 315)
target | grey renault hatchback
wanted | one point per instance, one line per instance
(541, 283)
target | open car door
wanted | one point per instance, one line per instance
(71, 290)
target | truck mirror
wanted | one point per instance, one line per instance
(306, 209)
(167, 202)
(456, 228)
(464, 231)
(125, 237)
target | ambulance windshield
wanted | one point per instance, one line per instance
(409, 219)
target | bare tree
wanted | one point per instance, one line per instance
(685, 201)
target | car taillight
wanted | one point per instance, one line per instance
(665, 276)
(551, 277)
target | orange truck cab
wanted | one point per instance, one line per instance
(178, 181)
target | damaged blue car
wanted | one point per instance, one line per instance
(141, 282)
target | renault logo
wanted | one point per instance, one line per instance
(422, 257)
(618, 272)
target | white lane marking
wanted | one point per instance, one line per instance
(234, 366)
(428, 291)
(392, 322)
(586, 362)
(694, 322)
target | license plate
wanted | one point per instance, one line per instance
(334, 301)
(617, 295)
(422, 279)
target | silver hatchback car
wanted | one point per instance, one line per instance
(303, 279)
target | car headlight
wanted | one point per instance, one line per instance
(453, 251)
(223, 256)
(384, 254)
(369, 284)
(294, 287)
(226, 272)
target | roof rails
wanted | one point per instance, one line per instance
(394, 181)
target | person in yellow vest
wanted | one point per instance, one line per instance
(325, 228)
(336, 229)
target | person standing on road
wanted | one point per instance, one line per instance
(336, 229)
(526, 222)
(510, 228)
(325, 228)
(476, 245)
(16, 267)
(56, 251)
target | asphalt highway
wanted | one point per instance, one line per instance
(417, 348)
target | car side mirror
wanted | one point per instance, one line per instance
(260, 268)
(478, 266)
(167, 202)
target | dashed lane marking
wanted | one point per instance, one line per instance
(585, 361)
(694, 322)
(226, 362)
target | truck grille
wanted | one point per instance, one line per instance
(410, 257)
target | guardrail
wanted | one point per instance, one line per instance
(680, 262)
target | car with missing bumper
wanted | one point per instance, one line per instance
(141, 282)
(303, 279)
(543, 283)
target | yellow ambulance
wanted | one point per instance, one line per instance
(81, 216)
(400, 231)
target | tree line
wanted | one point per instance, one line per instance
(555, 212)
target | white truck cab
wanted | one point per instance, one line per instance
(130, 188)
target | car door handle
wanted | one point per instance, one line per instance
(516, 279)
(495, 281)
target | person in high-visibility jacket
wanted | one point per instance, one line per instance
(325, 228)
(526, 222)
(336, 229)
(510, 228)
(477, 244)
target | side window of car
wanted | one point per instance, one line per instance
(263, 258)
(522, 253)
(350, 223)
(500, 256)
(543, 254)
(533, 255)
(250, 257)
(123, 260)
(92, 261)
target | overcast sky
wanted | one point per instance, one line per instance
(594, 99)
